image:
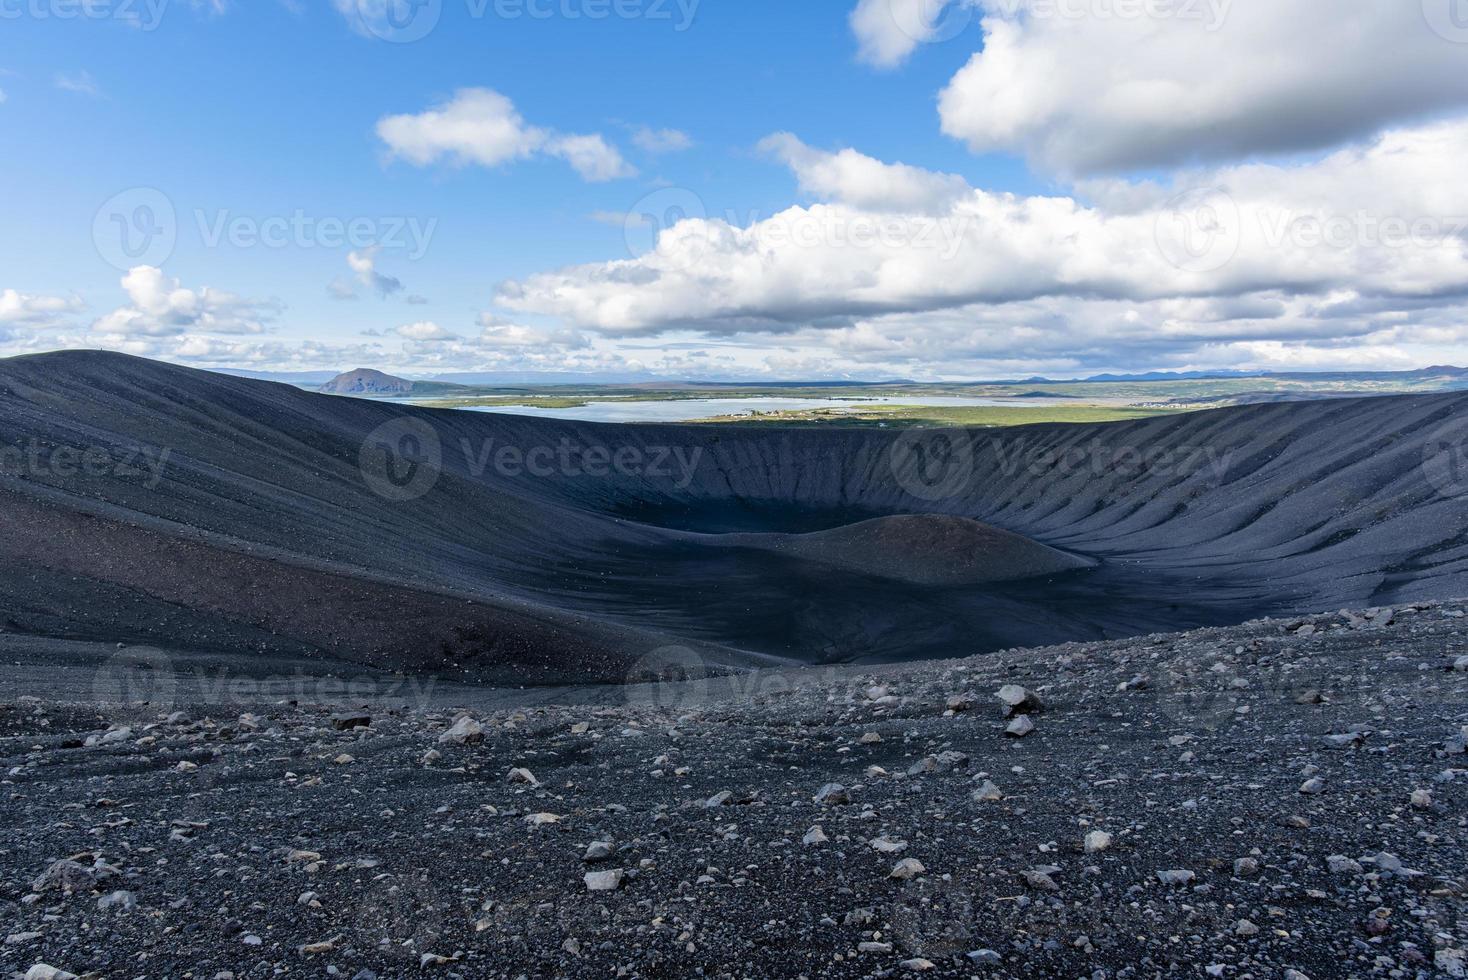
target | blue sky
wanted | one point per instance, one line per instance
(269, 110)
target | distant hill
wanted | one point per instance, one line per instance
(376, 384)
(365, 381)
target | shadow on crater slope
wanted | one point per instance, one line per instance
(147, 503)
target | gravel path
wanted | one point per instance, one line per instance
(1286, 795)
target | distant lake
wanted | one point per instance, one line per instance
(694, 409)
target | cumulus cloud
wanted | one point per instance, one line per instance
(364, 266)
(853, 178)
(160, 307)
(1341, 247)
(1187, 81)
(482, 127)
(424, 332)
(888, 31)
(29, 310)
(657, 141)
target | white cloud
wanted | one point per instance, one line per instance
(424, 332)
(853, 178)
(82, 83)
(482, 127)
(1320, 253)
(591, 156)
(25, 309)
(161, 307)
(658, 141)
(890, 30)
(364, 267)
(1196, 80)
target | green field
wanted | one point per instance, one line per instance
(967, 416)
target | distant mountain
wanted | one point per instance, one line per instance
(365, 381)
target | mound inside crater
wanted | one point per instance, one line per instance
(924, 549)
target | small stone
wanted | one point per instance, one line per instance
(523, 776)
(718, 800)
(43, 971)
(987, 793)
(833, 794)
(1016, 700)
(604, 881)
(1097, 841)
(121, 900)
(1245, 928)
(542, 819)
(1422, 799)
(917, 965)
(1244, 867)
(598, 850)
(887, 845)
(1176, 878)
(1313, 786)
(1339, 864)
(348, 720)
(465, 731)
(907, 868)
(1020, 727)
(1039, 880)
(870, 738)
(814, 836)
(1461, 665)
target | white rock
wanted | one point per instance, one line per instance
(465, 731)
(1020, 727)
(604, 881)
(1097, 841)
